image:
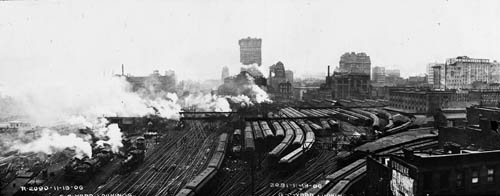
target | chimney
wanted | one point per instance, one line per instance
(328, 71)
(123, 71)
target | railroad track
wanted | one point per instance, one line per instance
(118, 183)
(56, 181)
(165, 172)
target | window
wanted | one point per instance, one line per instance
(491, 175)
(460, 179)
(475, 176)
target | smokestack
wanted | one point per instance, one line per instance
(123, 71)
(328, 71)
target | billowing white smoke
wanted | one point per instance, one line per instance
(206, 102)
(47, 103)
(256, 70)
(244, 85)
(51, 141)
(167, 106)
(111, 135)
(243, 100)
(259, 95)
(79, 104)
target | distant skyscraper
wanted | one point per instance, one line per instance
(225, 73)
(250, 51)
(438, 76)
(357, 63)
(289, 75)
(378, 75)
(430, 73)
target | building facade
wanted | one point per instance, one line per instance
(350, 86)
(461, 72)
(430, 73)
(441, 172)
(430, 101)
(250, 51)
(378, 75)
(494, 73)
(462, 173)
(289, 75)
(356, 63)
(438, 76)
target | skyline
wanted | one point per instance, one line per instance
(196, 39)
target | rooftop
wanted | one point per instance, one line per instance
(399, 138)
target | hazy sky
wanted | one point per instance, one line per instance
(197, 38)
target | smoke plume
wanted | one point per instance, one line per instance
(206, 102)
(51, 141)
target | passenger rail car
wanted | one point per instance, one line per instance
(198, 184)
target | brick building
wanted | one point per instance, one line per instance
(418, 173)
(430, 101)
(250, 51)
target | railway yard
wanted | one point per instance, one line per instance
(287, 151)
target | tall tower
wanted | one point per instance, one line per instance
(250, 51)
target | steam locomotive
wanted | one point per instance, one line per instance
(134, 156)
(80, 170)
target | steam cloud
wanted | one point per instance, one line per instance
(51, 142)
(79, 104)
